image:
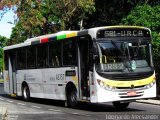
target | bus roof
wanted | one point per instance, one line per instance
(48, 38)
(66, 34)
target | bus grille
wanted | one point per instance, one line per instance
(130, 96)
(124, 94)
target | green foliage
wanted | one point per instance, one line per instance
(144, 15)
(3, 41)
(109, 12)
(156, 50)
(46, 16)
(148, 16)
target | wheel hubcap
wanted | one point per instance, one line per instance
(25, 92)
(74, 97)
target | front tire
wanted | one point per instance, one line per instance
(72, 99)
(26, 93)
(120, 106)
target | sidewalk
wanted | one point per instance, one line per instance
(155, 101)
(3, 113)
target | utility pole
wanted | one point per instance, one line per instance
(81, 24)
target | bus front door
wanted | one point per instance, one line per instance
(83, 69)
(12, 73)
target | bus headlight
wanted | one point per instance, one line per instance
(150, 84)
(105, 86)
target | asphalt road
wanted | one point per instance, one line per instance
(42, 109)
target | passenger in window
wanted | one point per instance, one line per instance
(57, 61)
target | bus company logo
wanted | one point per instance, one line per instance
(132, 86)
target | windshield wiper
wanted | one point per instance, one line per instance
(139, 44)
(115, 45)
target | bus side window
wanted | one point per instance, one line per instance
(55, 54)
(69, 52)
(21, 58)
(6, 59)
(42, 56)
(31, 57)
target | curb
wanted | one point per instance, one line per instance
(150, 101)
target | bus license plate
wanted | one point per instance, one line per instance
(131, 93)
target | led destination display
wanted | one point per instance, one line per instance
(123, 32)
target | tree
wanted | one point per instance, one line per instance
(3, 41)
(111, 12)
(46, 16)
(148, 16)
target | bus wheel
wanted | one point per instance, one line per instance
(72, 99)
(26, 93)
(120, 106)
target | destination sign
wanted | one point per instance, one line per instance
(123, 32)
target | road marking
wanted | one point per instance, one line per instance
(55, 110)
(9, 101)
(51, 109)
(80, 114)
(58, 110)
(35, 106)
(75, 113)
(1, 99)
(21, 104)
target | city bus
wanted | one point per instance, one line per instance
(96, 65)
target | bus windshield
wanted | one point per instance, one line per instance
(123, 56)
